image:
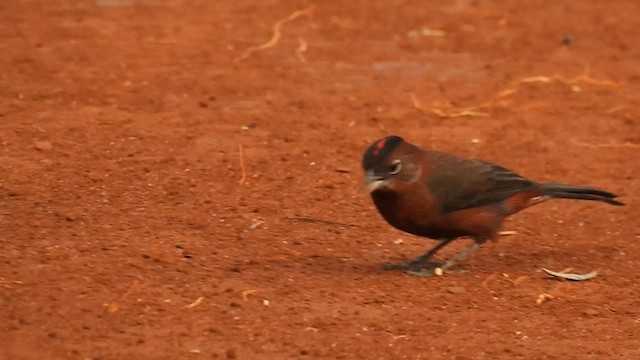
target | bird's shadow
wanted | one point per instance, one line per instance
(491, 261)
(335, 266)
(320, 265)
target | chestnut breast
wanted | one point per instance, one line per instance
(415, 211)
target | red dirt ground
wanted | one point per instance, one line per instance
(127, 234)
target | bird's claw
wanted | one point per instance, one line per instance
(436, 272)
(427, 269)
(423, 272)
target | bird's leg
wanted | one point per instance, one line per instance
(452, 261)
(461, 255)
(418, 263)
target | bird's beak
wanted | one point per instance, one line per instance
(372, 182)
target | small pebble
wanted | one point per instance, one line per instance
(567, 40)
(44, 145)
(248, 126)
(591, 312)
(456, 289)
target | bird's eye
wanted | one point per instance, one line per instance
(396, 166)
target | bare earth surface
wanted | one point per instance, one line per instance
(129, 229)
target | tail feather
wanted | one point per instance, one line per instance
(580, 192)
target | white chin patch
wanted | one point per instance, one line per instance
(375, 185)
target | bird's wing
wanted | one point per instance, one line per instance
(460, 183)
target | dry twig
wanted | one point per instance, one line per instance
(246, 293)
(309, 219)
(445, 112)
(544, 297)
(277, 34)
(396, 337)
(498, 99)
(243, 178)
(302, 47)
(609, 145)
(195, 303)
(574, 277)
(7, 283)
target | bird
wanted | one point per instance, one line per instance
(444, 197)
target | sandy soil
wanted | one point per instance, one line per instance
(130, 231)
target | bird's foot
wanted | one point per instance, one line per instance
(425, 272)
(446, 266)
(424, 269)
(437, 271)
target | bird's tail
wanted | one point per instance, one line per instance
(579, 192)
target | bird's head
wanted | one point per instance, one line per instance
(390, 164)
